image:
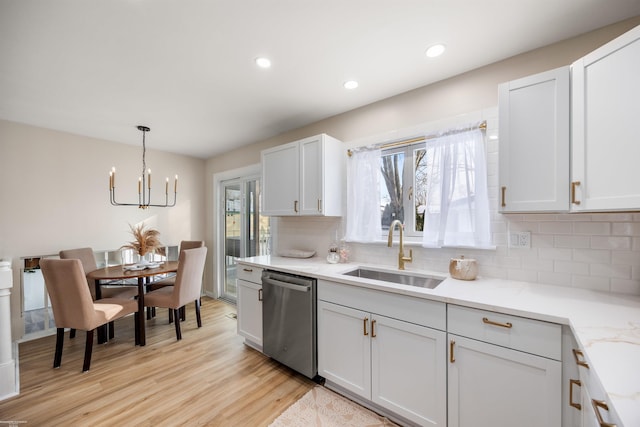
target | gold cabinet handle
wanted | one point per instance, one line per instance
(364, 326)
(248, 270)
(452, 358)
(574, 184)
(259, 294)
(507, 325)
(578, 406)
(503, 203)
(319, 205)
(579, 356)
(295, 206)
(597, 405)
(373, 329)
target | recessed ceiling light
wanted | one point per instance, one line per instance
(350, 84)
(263, 62)
(435, 50)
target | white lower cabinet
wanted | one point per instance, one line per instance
(249, 303)
(397, 365)
(494, 379)
(492, 386)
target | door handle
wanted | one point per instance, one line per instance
(578, 355)
(507, 325)
(364, 326)
(452, 357)
(295, 206)
(597, 404)
(373, 329)
(574, 184)
(259, 294)
(571, 402)
(503, 203)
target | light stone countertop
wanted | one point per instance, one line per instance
(606, 326)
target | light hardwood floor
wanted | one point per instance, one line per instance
(209, 378)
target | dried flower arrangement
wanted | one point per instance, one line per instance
(146, 240)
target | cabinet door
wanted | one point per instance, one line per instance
(250, 312)
(605, 149)
(492, 386)
(311, 172)
(408, 370)
(534, 142)
(344, 349)
(280, 180)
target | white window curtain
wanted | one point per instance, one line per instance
(363, 197)
(457, 209)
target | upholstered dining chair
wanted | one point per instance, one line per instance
(73, 307)
(170, 281)
(187, 287)
(88, 260)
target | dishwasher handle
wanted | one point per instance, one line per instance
(280, 283)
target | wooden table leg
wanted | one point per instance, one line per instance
(142, 340)
(102, 335)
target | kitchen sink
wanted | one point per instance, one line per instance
(398, 277)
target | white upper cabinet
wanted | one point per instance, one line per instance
(303, 178)
(534, 143)
(605, 137)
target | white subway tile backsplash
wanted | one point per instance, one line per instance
(592, 228)
(572, 267)
(625, 229)
(610, 270)
(592, 255)
(575, 242)
(556, 227)
(555, 254)
(593, 283)
(623, 286)
(613, 243)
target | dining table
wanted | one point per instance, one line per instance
(124, 272)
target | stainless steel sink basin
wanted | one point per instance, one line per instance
(399, 277)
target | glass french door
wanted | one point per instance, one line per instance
(246, 232)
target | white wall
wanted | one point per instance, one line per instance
(593, 251)
(54, 195)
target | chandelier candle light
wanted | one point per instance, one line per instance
(144, 183)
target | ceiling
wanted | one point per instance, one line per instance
(186, 68)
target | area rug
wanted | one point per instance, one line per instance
(323, 408)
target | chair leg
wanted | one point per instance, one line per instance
(88, 347)
(112, 330)
(170, 315)
(72, 333)
(198, 317)
(57, 358)
(176, 316)
(183, 313)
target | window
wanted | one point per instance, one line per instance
(437, 189)
(403, 189)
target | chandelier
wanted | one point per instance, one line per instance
(144, 184)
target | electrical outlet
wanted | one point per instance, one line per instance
(520, 239)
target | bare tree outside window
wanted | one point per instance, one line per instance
(420, 187)
(391, 201)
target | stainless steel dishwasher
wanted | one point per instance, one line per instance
(289, 321)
